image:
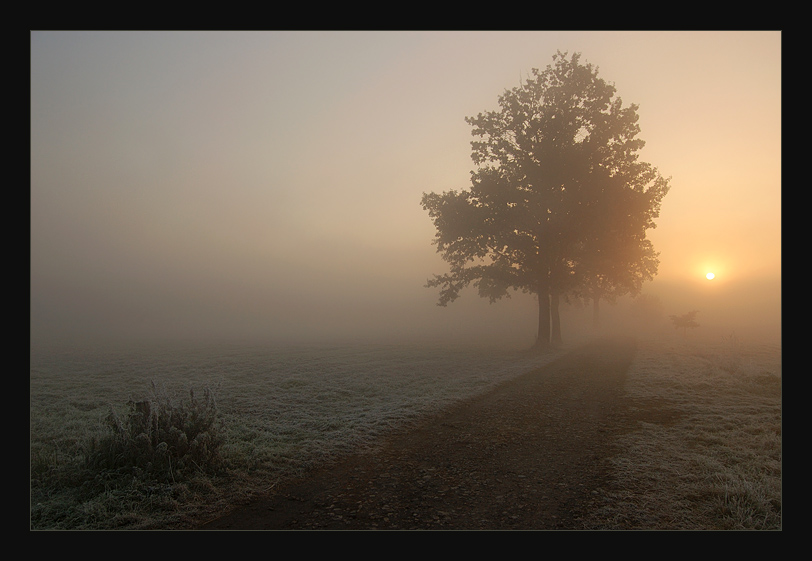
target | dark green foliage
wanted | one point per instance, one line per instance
(160, 438)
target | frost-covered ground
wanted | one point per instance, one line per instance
(271, 396)
(706, 453)
(711, 449)
(282, 407)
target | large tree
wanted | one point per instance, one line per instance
(558, 198)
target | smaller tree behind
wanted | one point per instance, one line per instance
(613, 257)
(685, 321)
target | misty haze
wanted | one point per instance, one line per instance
(296, 248)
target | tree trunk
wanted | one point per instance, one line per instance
(543, 340)
(555, 317)
(596, 312)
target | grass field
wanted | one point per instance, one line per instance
(706, 453)
(281, 409)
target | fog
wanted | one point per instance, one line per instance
(267, 185)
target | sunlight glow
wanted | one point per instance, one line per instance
(710, 276)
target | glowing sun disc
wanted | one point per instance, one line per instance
(710, 276)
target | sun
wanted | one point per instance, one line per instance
(710, 276)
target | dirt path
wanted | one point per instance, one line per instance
(529, 455)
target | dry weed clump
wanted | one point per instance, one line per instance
(150, 459)
(161, 438)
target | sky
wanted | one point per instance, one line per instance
(266, 185)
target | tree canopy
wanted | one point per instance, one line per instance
(559, 203)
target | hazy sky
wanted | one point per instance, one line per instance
(268, 184)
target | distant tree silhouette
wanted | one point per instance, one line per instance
(685, 321)
(559, 203)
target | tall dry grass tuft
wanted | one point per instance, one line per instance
(141, 465)
(160, 437)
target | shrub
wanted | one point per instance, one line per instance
(160, 437)
(685, 321)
